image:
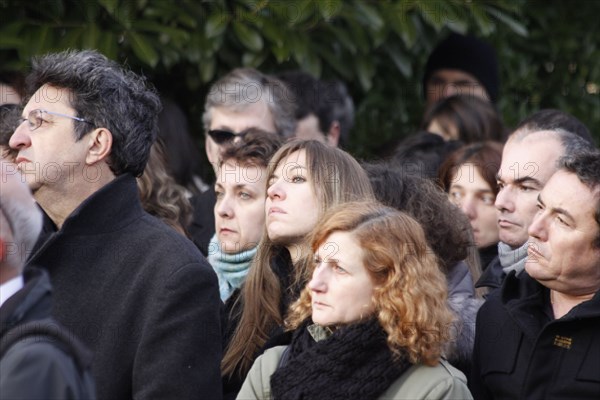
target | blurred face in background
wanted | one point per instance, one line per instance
(449, 82)
(236, 121)
(475, 197)
(240, 208)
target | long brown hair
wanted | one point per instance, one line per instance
(336, 177)
(410, 289)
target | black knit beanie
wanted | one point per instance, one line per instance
(468, 54)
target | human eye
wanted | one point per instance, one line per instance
(316, 259)
(298, 179)
(488, 199)
(562, 221)
(219, 192)
(34, 120)
(455, 196)
(499, 185)
(337, 269)
(245, 195)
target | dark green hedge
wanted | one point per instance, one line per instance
(548, 50)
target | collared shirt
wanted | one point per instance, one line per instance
(7, 289)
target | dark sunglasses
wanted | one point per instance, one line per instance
(221, 136)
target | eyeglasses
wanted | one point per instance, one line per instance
(221, 136)
(35, 118)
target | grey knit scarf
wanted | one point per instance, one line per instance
(512, 259)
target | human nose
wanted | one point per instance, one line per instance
(537, 229)
(504, 200)
(275, 190)
(469, 207)
(318, 280)
(20, 137)
(224, 208)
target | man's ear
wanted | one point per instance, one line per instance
(100, 141)
(333, 136)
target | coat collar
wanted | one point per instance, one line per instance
(527, 299)
(111, 208)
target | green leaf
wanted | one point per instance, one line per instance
(172, 34)
(249, 38)
(108, 45)
(253, 60)
(109, 5)
(513, 24)
(401, 61)
(216, 25)
(143, 49)
(329, 8)
(369, 15)
(207, 70)
(281, 53)
(90, 36)
(365, 71)
(342, 68)
(312, 64)
(483, 20)
(344, 38)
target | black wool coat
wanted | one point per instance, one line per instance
(39, 367)
(522, 352)
(140, 295)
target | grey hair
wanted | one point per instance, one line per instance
(106, 95)
(571, 142)
(23, 216)
(243, 87)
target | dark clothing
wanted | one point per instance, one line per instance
(282, 265)
(140, 295)
(355, 362)
(38, 367)
(202, 227)
(487, 254)
(522, 352)
(464, 303)
(492, 276)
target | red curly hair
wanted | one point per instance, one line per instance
(410, 290)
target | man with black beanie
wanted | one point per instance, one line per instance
(461, 65)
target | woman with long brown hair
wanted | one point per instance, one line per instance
(305, 179)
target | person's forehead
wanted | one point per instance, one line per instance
(468, 175)
(50, 98)
(535, 155)
(453, 75)
(237, 119)
(559, 193)
(235, 172)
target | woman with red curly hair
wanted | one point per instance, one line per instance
(371, 323)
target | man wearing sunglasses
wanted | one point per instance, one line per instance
(141, 296)
(243, 99)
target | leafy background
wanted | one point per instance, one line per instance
(548, 49)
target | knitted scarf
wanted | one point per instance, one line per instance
(512, 259)
(231, 269)
(353, 363)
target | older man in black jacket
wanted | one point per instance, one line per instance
(139, 294)
(538, 337)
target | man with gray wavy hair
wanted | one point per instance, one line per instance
(138, 293)
(25, 303)
(244, 98)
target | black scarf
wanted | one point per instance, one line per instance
(353, 363)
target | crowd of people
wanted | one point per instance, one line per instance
(465, 263)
